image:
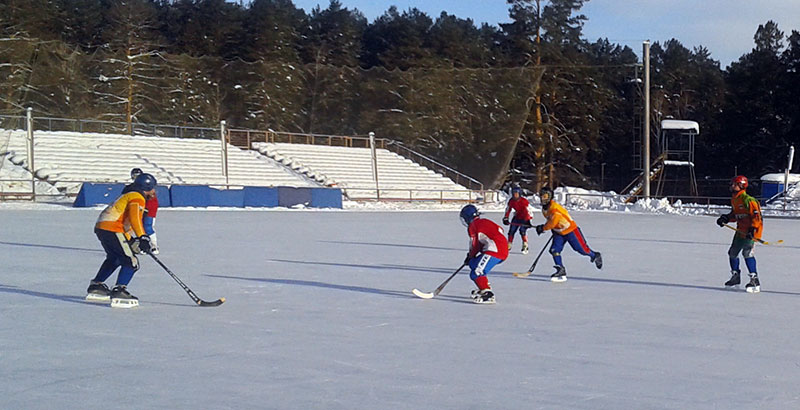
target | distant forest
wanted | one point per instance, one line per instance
(531, 101)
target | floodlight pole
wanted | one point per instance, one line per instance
(374, 164)
(646, 128)
(786, 176)
(224, 151)
(29, 130)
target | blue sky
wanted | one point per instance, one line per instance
(725, 27)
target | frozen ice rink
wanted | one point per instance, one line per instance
(319, 315)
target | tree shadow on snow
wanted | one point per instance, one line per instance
(66, 248)
(399, 245)
(662, 284)
(382, 267)
(447, 271)
(81, 300)
(63, 298)
(681, 242)
(297, 282)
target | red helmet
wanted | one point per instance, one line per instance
(740, 180)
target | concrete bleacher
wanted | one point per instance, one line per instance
(67, 159)
(350, 169)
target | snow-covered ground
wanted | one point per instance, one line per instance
(319, 315)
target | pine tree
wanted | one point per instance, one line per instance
(750, 119)
(130, 69)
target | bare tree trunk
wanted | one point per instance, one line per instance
(129, 101)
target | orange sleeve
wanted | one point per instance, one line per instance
(135, 211)
(552, 220)
(755, 217)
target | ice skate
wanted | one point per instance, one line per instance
(598, 260)
(754, 286)
(560, 275)
(483, 296)
(121, 298)
(734, 281)
(525, 248)
(475, 293)
(98, 292)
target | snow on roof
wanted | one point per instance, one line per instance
(779, 177)
(678, 163)
(680, 125)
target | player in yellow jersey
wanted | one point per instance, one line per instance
(565, 230)
(124, 215)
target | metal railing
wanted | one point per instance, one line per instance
(456, 176)
(109, 127)
(421, 195)
(69, 189)
(244, 138)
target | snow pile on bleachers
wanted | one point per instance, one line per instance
(67, 159)
(350, 169)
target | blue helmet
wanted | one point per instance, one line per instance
(136, 172)
(144, 182)
(516, 190)
(468, 214)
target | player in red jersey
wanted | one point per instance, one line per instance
(488, 248)
(522, 218)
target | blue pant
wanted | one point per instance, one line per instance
(520, 224)
(575, 240)
(118, 253)
(482, 264)
(747, 248)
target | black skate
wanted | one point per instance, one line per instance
(560, 275)
(598, 260)
(98, 292)
(121, 298)
(754, 286)
(735, 280)
(483, 296)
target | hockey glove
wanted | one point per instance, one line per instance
(539, 229)
(466, 260)
(722, 220)
(505, 221)
(751, 233)
(141, 244)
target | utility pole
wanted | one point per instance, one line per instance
(786, 177)
(646, 128)
(538, 112)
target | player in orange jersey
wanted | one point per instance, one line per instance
(565, 230)
(124, 215)
(749, 225)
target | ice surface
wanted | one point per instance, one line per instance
(320, 315)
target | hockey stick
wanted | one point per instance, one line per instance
(761, 241)
(528, 273)
(438, 290)
(191, 294)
